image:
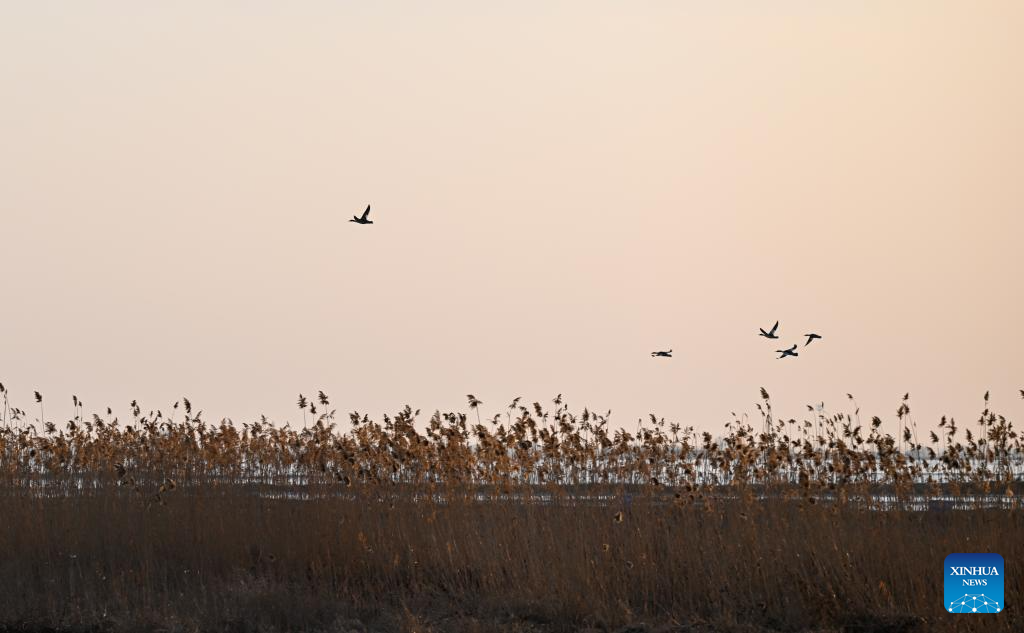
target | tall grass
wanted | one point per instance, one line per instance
(534, 520)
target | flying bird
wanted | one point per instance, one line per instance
(770, 333)
(811, 337)
(788, 352)
(362, 220)
(667, 354)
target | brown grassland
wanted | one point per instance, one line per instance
(535, 520)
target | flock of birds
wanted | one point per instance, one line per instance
(770, 334)
(792, 349)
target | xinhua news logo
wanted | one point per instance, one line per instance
(974, 583)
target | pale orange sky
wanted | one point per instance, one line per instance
(559, 188)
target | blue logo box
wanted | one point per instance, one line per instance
(974, 583)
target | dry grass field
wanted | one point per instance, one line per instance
(537, 520)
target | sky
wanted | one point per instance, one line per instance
(558, 189)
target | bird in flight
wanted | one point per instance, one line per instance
(667, 354)
(811, 337)
(362, 220)
(770, 333)
(788, 352)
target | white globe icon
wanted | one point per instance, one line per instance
(974, 603)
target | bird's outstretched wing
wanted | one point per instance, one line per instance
(366, 213)
(774, 327)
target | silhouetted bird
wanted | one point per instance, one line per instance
(667, 354)
(362, 220)
(788, 352)
(770, 333)
(811, 337)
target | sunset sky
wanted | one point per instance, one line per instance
(558, 189)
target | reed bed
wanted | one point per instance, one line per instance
(537, 519)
